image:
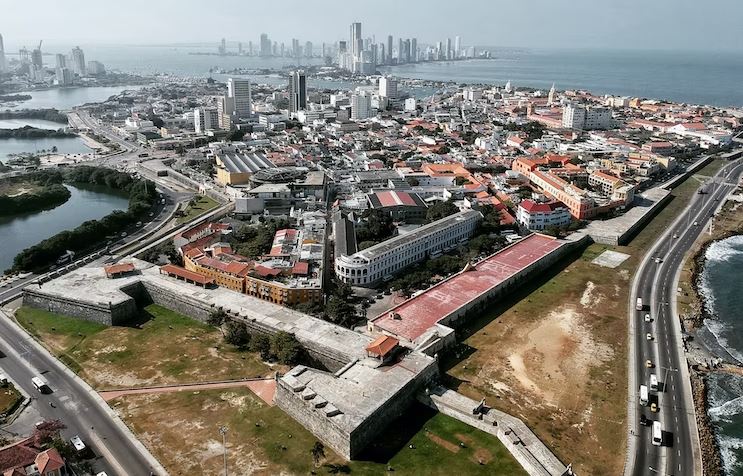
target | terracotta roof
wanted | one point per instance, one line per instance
(49, 460)
(119, 268)
(186, 274)
(382, 345)
(301, 268)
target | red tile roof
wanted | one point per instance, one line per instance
(382, 345)
(186, 274)
(119, 268)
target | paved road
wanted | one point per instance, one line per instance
(83, 414)
(655, 283)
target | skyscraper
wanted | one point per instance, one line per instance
(357, 44)
(400, 51)
(78, 61)
(2, 55)
(37, 60)
(308, 49)
(61, 61)
(360, 106)
(297, 91)
(457, 46)
(448, 48)
(414, 50)
(389, 49)
(239, 91)
(388, 87)
(265, 48)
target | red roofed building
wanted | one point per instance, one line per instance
(541, 216)
(381, 348)
(27, 458)
(401, 206)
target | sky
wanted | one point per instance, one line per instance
(617, 24)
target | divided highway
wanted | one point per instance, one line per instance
(659, 342)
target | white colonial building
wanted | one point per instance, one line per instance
(380, 262)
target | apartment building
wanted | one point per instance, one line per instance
(541, 216)
(373, 265)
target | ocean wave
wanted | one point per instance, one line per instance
(730, 450)
(724, 250)
(718, 329)
(730, 408)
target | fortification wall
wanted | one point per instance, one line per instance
(102, 313)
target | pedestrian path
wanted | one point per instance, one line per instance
(263, 388)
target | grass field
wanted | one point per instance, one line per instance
(9, 396)
(165, 347)
(555, 353)
(182, 430)
(17, 188)
(202, 206)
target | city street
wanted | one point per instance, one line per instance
(659, 341)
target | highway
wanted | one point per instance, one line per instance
(72, 403)
(656, 282)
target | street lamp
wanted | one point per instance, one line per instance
(223, 432)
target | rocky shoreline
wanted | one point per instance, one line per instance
(711, 455)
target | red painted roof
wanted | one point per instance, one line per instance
(119, 268)
(418, 314)
(186, 274)
(301, 268)
(382, 345)
(533, 207)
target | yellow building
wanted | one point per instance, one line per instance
(236, 169)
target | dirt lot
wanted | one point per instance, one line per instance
(166, 347)
(182, 431)
(555, 353)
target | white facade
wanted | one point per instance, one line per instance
(410, 105)
(586, 117)
(205, 118)
(542, 216)
(381, 261)
(239, 91)
(388, 87)
(63, 77)
(361, 106)
(78, 61)
(2, 55)
(95, 68)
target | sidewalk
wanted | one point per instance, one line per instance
(264, 388)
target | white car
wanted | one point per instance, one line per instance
(102, 473)
(77, 443)
(647, 317)
(649, 336)
(696, 223)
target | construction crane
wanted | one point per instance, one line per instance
(40, 42)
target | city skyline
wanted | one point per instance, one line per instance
(630, 24)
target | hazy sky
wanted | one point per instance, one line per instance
(645, 24)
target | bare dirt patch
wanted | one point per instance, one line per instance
(447, 445)
(482, 456)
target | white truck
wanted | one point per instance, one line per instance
(638, 305)
(657, 433)
(653, 382)
(643, 395)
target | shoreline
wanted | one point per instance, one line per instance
(702, 358)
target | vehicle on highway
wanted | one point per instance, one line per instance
(649, 336)
(696, 223)
(657, 433)
(658, 260)
(139, 223)
(40, 385)
(653, 382)
(643, 420)
(638, 304)
(649, 364)
(643, 395)
(675, 235)
(102, 473)
(654, 407)
(647, 317)
(123, 234)
(77, 443)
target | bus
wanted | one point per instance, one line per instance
(653, 382)
(657, 434)
(39, 384)
(643, 395)
(638, 306)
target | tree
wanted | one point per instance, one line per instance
(236, 333)
(340, 311)
(261, 344)
(440, 210)
(217, 319)
(285, 348)
(317, 452)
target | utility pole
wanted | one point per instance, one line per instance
(223, 432)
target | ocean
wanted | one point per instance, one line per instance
(722, 288)
(690, 77)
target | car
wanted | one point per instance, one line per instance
(649, 336)
(696, 223)
(644, 420)
(77, 443)
(649, 364)
(654, 407)
(658, 259)
(123, 234)
(647, 317)
(102, 473)
(675, 235)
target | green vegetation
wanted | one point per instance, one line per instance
(10, 398)
(440, 210)
(29, 132)
(142, 196)
(52, 115)
(255, 240)
(165, 348)
(14, 97)
(31, 192)
(421, 442)
(375, 227)
(197, 206)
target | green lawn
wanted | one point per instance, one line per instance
(9, 398)
(178, 428)
(163, 347)
(203, 205)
